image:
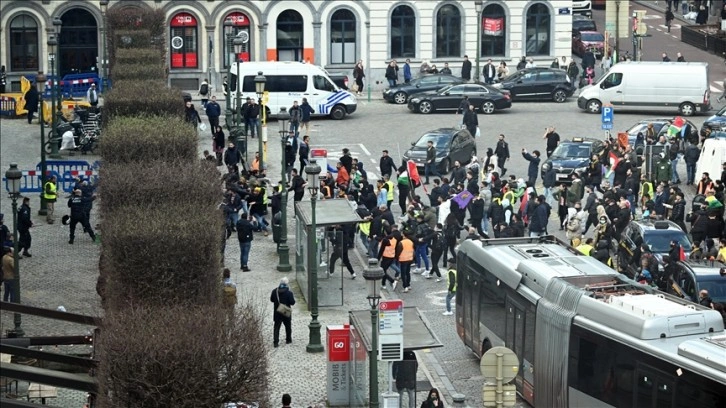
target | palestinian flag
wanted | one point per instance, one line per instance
(674, 130)
(413, 173)
(614, 161)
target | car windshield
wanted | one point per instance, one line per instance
(716, 287)
(441, 141)
(572, 150)
(660, 240)
(593, 37)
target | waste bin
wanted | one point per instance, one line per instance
(276, 228)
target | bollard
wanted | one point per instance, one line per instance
(369, 91)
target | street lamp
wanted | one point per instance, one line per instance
(312, 171)
(40, 84)
(372, 274)
(228, 97)
(55, 88)
(13, 175)
(478, 8)
(237, 133)
(260, 90)
(104, 80)
(283, 251)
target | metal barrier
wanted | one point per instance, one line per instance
(69, 178)
(65, 172)
(76, 85)
(63, 166)
(7, 106)
(31, 182)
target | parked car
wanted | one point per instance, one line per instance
(715, 122)
(486, 98)
(541, 84)
(578, 47)
(658, 235)
(571, 156)
(340, 79)
(595, 41)
(400, 93)
(583, 23)
(660, 127)
(690, 278)
(451, 145)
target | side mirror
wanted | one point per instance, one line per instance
(602, 85)
(413, 143)
(447, 93)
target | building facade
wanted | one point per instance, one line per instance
(333, 34)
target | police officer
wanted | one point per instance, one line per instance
(78, 204)
(50, 195)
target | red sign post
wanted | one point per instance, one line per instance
(338, 365)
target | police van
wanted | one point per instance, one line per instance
(286, 82)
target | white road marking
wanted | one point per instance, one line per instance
(364, 149)
(374, 161)
(673, 26)
(676, 37)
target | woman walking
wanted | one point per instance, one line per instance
(359, 74)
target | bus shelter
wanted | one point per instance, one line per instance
(312, 268)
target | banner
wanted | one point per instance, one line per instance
(493, 26)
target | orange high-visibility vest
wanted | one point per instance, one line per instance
(407, 251)
(390, 250)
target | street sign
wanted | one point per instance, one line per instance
(390, 317)
(607, 117)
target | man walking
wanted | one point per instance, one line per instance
(553, 140)
(282, 296)
(466, 69)
(430, 165)
(386, 164)
(50, 195)
(251, 116)
(92, 95)
(204, 92)
(502, 152)
(451, 292)
(405, 254)
(295, 116)
(24, 224)
(306, 112)
(244, 236)
(471, 121)
(213, 111)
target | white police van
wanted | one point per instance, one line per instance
(287, 82)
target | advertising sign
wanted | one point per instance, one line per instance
(338, 365)
(493, 26)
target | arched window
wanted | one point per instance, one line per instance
(184, 52)
(493, 31)
(403, 32)
(290, 36)
(23, 44)
(78, 43)
(240, 27)
(448, 32)
(538, 30)
(342, 37)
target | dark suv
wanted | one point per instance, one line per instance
(658, 235)
(690, 278)
(451, 145)
(537, 84)
(573, 155)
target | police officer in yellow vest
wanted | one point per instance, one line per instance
(586, 248)
(451, 276)
(50, 195)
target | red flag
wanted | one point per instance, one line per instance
(413, 175)
(614, 160)
(523, 207)
(682, 254)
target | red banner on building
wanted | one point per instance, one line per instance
(183, 20)
(493, 26)
(238, 19)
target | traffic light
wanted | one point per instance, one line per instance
(639, 26)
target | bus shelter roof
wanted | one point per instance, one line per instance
(417, 334)
(327, 212)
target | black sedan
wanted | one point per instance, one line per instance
(451, 145)
(399, 94)
(486, 98)
(537, 84)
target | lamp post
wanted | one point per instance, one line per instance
(283, 251)
(13, 175)
(239, 138)
(55, 90)
(104, 80)
(372, 274)
(40, 83)
(228, 97)
(478, 8)
(312, 171)
(260, 90)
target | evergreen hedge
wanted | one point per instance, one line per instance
(143, 139)
(142, 97)
(138, 56)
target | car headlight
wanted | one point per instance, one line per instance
(497, 85)
(387, 91)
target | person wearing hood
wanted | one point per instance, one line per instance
(602, 252)
(572, 226)
(533, 167)
(434, 400)
(282, 295)
(538, 223)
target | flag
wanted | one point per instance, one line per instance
(403, 178)
(682, 254)
(462, 199)
(523, 206)
(413, 175)
(614, 160)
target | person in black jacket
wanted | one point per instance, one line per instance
(31, 102)
(232, 157)
(691, 156)
(244, 236)
(191, 116)
(218, 141)
(251, 113)
(297, 186)
(533, 167)
(502, 152)
(538, 223)
(213, 111)
(386, 164)
(405, 374)
(282, 295)
(77, 203)
(24, 224)
(471, 121)
(304, 153)
(289, 159)
(679, 211)
(342, 239)
(430, 165)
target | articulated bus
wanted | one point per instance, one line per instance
(585, 335)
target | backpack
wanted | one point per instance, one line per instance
(229, 295)
(204, 89)
(440, 241)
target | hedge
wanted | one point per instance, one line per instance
(162, 256)
(142, 97)
(132, 39)
(142, 139)
(127, 72)
(122, 20)
(147, 56)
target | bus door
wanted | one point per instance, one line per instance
(468, 303)
(514, 334)
(654, 388)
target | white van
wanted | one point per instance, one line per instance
(681, 86)
(287, 82)
(713, 155)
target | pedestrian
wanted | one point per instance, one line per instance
(50, 195)
(533, 167)
(191, 116)
(489, 72)
(77, 203)
(407, 76)
(391, 74)
(502, 152)
(572, 72)
(24, 225)
(258, 207)
(3, 79)
(8, 274)
(283, 300)
(404, 371)
(679, 57)
(32, 99)
(386, 164)
(530, 63)
(245, 237)
(466, 69)
(286, 401)
(232, 157)
(430, 166)
(424, 69)
(471, 121)
(451, 286)
(555, 64)
(92, 95)
(341, 238)
(213, 111)
(446, 70)
(665, 57)
(502, 70)
(702, 16)
(433, 400)
(359, 74)
(307, 112)
(218, 140)
(229, 289)
(204, 92)
(669, 18)
(405, 254)
(297, 186)
(691, 156)
(522, 63)
(424, 235)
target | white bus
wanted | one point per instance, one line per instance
(287, 82)
(586, 336)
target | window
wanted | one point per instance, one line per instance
(23, 44)
(448, 32)
(493, 32)
(403, 33)
(546, 76)
(320, 82)
(538, 30)
(612, 80)
(428, 80)
(241, 28)
(184, 41)
(290, 36)
(277, 83)
(342, 37)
